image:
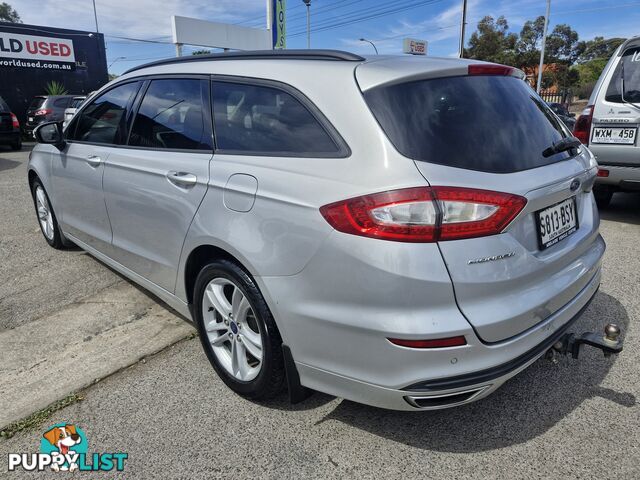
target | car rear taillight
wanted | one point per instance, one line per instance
(603, 172)
(43, 111)
(14, 121)
(494, 69)
(425, 214)
(431, 343)
(582, 128)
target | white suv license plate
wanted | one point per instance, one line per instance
(621, 136)
(557, 222)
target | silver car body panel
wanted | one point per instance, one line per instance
(336, 297)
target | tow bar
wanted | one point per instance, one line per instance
(570, 343)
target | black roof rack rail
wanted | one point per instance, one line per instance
(259, 55)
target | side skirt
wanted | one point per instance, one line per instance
(167, 297)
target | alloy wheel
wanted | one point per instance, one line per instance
(44, 213)
(232, 329)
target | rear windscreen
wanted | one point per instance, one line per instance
(4, 108)
(627, 73)
(489, 123)
(37, 102)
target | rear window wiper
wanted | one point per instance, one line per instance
(562, 145)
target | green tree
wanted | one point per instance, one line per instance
(492, 41)
(8, 14)
(201, 52)
(528, 44)
(562, 44)
(597, 48)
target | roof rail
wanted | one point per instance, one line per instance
(259, 55)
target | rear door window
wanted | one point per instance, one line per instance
(173, 115)
(488, 123)
(61, 102)
(105, 119)
(627, 73)
(37, 102)
(264, 120)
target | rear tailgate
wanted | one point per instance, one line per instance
(488, 132)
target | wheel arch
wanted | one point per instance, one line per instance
(198, 258)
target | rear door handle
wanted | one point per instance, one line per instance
(182, 179)
(94, 160)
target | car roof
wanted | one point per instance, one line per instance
(370, 71)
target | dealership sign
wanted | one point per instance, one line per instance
(414, 46)
(35, 51)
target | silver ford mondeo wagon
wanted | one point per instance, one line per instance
(404, 232)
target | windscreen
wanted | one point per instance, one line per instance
(628, 73)
(492, 124)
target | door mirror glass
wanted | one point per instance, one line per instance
(50, 133)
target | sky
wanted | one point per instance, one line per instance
(437, 21)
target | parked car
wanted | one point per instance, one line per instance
(609, 123)
(568, 118)
(406, 233)
(46, 108)
(73, 108)
(9, 127)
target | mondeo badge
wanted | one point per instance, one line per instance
(491, 259)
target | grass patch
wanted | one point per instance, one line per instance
(40, 416)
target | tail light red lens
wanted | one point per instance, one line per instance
(425, 214)
(603, 173)
(14, 121)
(43, 111)
(494, 69)
(582, 128)
(433, 343)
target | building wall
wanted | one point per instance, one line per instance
(19, 84)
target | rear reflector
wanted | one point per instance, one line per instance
(603, 173)
(433, 343)
(425, 214)
(582, 128)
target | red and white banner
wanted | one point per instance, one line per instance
(29, 47)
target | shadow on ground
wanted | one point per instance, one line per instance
(6, 164)
(624, 208)
(524, 408)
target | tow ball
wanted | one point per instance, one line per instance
(570, 343)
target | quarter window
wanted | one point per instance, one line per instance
(627, 73)
(104, 120)
(171, 116)
(265, 120)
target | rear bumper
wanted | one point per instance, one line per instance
(439, 393)
(337, 313)
(623, 177)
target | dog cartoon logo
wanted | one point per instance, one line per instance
(65, 438)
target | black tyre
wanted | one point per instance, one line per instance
(237, 331)
(603, 196)
(46, 216)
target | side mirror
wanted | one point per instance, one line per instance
(50, 133)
